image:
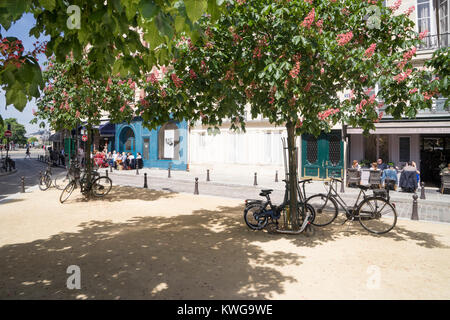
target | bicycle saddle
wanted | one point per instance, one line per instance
(265, 192)
(363, 187)
(305, 180)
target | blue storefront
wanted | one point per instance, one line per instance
(167, 145)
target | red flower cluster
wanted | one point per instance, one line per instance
(327, 113)
(295, 71)
(402, 76)
(192, 74)
(309, 20)
(344, 38)
(371, 50)
(177, 81)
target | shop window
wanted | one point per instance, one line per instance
(169, 142)
(405, 149)
(311, 149)
(370, 148)
(146, 149)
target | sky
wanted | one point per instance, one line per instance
(21, 30)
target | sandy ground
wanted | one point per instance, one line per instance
(144, 244)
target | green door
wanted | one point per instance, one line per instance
(69, 148)
(322, 157)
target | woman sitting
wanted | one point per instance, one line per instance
(374, 167)
(355, 165)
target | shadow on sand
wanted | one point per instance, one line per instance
(204, 255)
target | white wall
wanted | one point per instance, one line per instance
(256, 146)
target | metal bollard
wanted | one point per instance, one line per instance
(145, 180)
(415, 215)
(276, 176)
(207, 175)
(196, 186)
(342, 186)
(23, 184)
(137, 170)
(106, 172)
(110, 169)
(422, 191)
(168, 170)
(255, 183)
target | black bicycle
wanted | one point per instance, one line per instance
(98, 186)
(45, 181)
(375, 212)
(259, 214)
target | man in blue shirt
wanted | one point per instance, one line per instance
(382, 166)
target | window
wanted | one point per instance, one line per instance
(334, 150)
(444, 22)
(169, 142)
(146, 149)
(423, 15)
(370, 148)
(311, 149)
(376, 147)
(405, 149)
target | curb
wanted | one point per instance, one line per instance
(8, 173)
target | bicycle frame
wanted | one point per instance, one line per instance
(341, 201)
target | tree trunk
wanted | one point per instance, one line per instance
(88, 156)
(293, 180)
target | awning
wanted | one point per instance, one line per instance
(56, 137)
(107, 130)
(413, 127)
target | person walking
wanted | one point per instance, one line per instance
(27, 154)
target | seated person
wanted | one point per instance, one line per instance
(408, 178)
(390, 174)
(446, 170)
(355, 165)
(381, 165)
(374, 167)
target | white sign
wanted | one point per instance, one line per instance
(169, 144)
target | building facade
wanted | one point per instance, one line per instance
(160, 148)
(425, 139)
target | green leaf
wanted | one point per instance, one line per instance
(148, 8)
(162, 21)
(48, 4)
(152, 35)
(195, 8)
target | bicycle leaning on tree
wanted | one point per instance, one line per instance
(97, 186)
(375, 212)
(259, 214)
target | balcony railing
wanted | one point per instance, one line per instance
(433, 42)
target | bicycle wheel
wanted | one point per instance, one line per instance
(67, 192)
(325, 209)
(101, 186)
(253, 217)
(377, 215)
(61, 182)
(45, 182)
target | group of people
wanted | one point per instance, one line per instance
(125, 161)
(389, 171)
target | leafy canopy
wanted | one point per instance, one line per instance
(110, 29)
(292, 62)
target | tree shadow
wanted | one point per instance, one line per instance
(209, 254)
(123, 193)
(205, 255)
(353, 228)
